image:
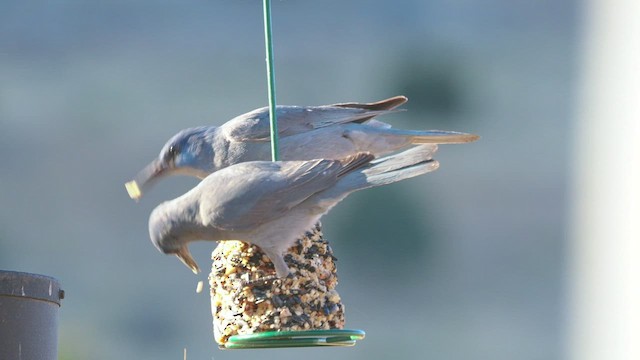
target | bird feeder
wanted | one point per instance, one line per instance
(253, 309)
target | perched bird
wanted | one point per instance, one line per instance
(271, 204)
(305, 132)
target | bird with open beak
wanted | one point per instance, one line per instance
(271, 204)
(305, 132)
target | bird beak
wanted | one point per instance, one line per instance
(145, 178)
(185, 256)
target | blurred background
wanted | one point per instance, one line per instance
(466, 262)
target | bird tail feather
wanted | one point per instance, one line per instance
(364, 173)
(393, 168)
(386, 104)
(404, 159)
(432, 136)
(374, 109)
(404, 165)
(353, 162)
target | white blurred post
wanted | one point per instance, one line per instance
(604, 273)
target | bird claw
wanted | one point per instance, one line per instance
(261, 281)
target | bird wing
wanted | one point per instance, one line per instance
(254, 193)
(254, 125)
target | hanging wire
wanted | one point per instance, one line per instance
(271, 81)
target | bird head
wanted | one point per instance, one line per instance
(165, 237)
(188, 153)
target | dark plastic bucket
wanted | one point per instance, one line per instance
(29, 306)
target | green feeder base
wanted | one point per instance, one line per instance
(283, 339)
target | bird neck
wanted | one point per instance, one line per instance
(202, 155)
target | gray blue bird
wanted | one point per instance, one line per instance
(271, 204)
(305, 132)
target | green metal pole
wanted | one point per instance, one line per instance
(271, 81)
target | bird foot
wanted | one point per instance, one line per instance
(261, 281)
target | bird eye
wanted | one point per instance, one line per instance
(171, 153)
